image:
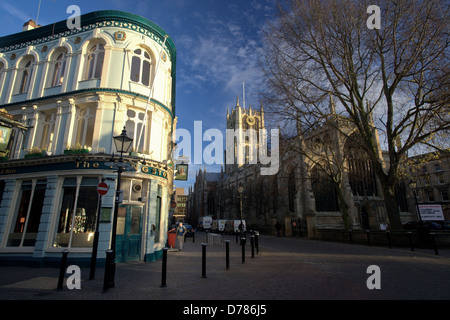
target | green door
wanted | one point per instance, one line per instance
(129, 229)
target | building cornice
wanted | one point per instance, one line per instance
(89, 21)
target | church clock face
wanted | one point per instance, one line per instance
(251, 120)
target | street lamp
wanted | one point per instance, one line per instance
(240, 191)
(413, 186)
(123, 144)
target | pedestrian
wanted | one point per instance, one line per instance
(278, 227)
(181, 231)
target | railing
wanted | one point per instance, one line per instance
(424, 239)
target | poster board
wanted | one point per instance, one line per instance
(431, 212)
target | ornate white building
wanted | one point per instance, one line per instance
(74, 90)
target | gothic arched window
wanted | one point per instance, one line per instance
(291, 191)
(324, 191)
(211, 204)
(361, 174)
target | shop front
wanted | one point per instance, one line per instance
(49, 207)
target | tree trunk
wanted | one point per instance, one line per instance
(391, 205)
(343, 206)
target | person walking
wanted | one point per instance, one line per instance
(278, 227)
(181, 231)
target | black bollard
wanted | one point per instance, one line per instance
(62, 269)
(257, 242)
(433, 241)
(164, 269)
(350, 236)
(252, 242)
(411, 240)
(368, 237)
(227, 254)
(388, 235)
(108, 281)
(94, 257)
(204, 260)
(193, 237)
(243, 249)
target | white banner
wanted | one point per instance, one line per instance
(431, 212)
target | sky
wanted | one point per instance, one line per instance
(219, 46)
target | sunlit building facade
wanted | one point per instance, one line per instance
(73, 90)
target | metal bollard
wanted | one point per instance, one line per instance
(368, 237)
(62, 269)
(204, 260)
(243, 249)
(193, 237)
(411, 240)
(433, 241)
(252, 242)
(227, 254)
(257, 242)
(108, 281)
(388, 234)
(164, 268)
(350, 236)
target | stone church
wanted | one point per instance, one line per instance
(301, 195)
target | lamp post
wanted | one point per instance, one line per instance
(413, 185)
(241, 191)
(123, 144)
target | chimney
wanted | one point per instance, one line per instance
(30, 25)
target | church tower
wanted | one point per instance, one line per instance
(246, 125)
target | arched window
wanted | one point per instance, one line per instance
(133, 125)
(26, 72)
(140, 67)
(361, 174)
(48, 130)
(85, 127)
(94, 63)
(211, 204)
(59, 69)
(2, 68)
(324, 191)
(291, 190)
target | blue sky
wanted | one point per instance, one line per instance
(218, 44)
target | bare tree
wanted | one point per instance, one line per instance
(390, 82)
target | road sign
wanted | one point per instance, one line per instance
(102, 188)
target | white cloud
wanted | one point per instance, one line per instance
(15, 12)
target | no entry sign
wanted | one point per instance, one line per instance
(102, 188)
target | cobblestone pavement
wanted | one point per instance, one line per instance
(283, 269)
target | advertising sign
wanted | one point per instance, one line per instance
(431, 212)
(5, 135)
(182, 172)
